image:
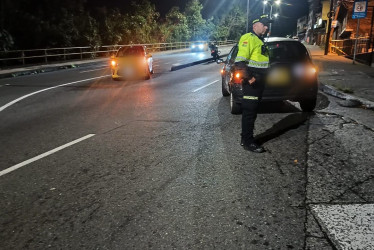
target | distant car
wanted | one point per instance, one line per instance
(132, 62)
(292, 75)
(199, 46)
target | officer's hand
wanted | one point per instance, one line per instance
(251, 81)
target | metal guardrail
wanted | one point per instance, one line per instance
(23, 57)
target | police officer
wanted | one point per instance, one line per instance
(253, 60)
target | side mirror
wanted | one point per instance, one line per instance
(219, 61)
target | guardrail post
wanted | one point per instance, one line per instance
(46, 56)
(64, 54)
(80, 49)
(23, 57)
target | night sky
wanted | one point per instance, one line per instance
(290, 10)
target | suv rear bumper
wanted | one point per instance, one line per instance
(279, 94)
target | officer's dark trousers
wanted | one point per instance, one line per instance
(252, 95)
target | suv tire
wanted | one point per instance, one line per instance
(225, 91)
(308, 105)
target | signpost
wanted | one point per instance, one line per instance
(359, 11)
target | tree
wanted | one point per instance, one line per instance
(112, 27)
(231, 26)
(175, 26)
(195, 20)
(141, 26)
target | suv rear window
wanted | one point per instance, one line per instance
(287, 52)
(131, 51)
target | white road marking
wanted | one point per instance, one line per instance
(93, 69)
(39, 91)
(19, 165)
(167, 63)
(204, 86)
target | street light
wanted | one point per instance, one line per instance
(277, 2)
(263, 9)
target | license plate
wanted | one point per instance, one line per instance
(278, 77)
(127, 72)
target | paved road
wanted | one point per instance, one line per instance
(157, 164)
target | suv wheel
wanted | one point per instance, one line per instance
(234, 106)
(225, 91)
(308, 105)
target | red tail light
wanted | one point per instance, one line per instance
(113, 63)
(237, 78)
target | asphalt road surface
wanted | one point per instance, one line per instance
(102, 164)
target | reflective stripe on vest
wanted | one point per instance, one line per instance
(250, 97)
(262, 65)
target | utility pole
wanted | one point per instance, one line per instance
(247, 30)
(329, 15)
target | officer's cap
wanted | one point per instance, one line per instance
(264, 19)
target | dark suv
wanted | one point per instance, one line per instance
(292, 75)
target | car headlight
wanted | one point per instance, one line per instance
(201, 46)
(192, 46)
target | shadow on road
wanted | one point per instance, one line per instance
(292, 121)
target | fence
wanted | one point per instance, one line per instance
(36, 56)
(347, 46)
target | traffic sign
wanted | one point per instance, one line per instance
(360, 8)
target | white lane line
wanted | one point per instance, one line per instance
(93, 70)
(205, 86)
(167, 63)
(19, 165)
(39, 91)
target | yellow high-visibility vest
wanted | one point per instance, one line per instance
(250, 48)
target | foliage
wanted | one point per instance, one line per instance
(29, 24)
(195, 20)
(175, 27)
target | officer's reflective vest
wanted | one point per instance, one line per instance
(250, 48)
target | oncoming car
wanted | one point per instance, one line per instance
(199, 46)
(292, 75)
(132, 62)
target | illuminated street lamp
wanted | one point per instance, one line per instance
(276, 2)
(263, 9)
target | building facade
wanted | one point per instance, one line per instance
(343, 27)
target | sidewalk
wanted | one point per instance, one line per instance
(339, 77)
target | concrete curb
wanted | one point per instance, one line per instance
(182, 66)
(334, 92)
(45, 68)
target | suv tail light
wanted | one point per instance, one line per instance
(237, 78)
